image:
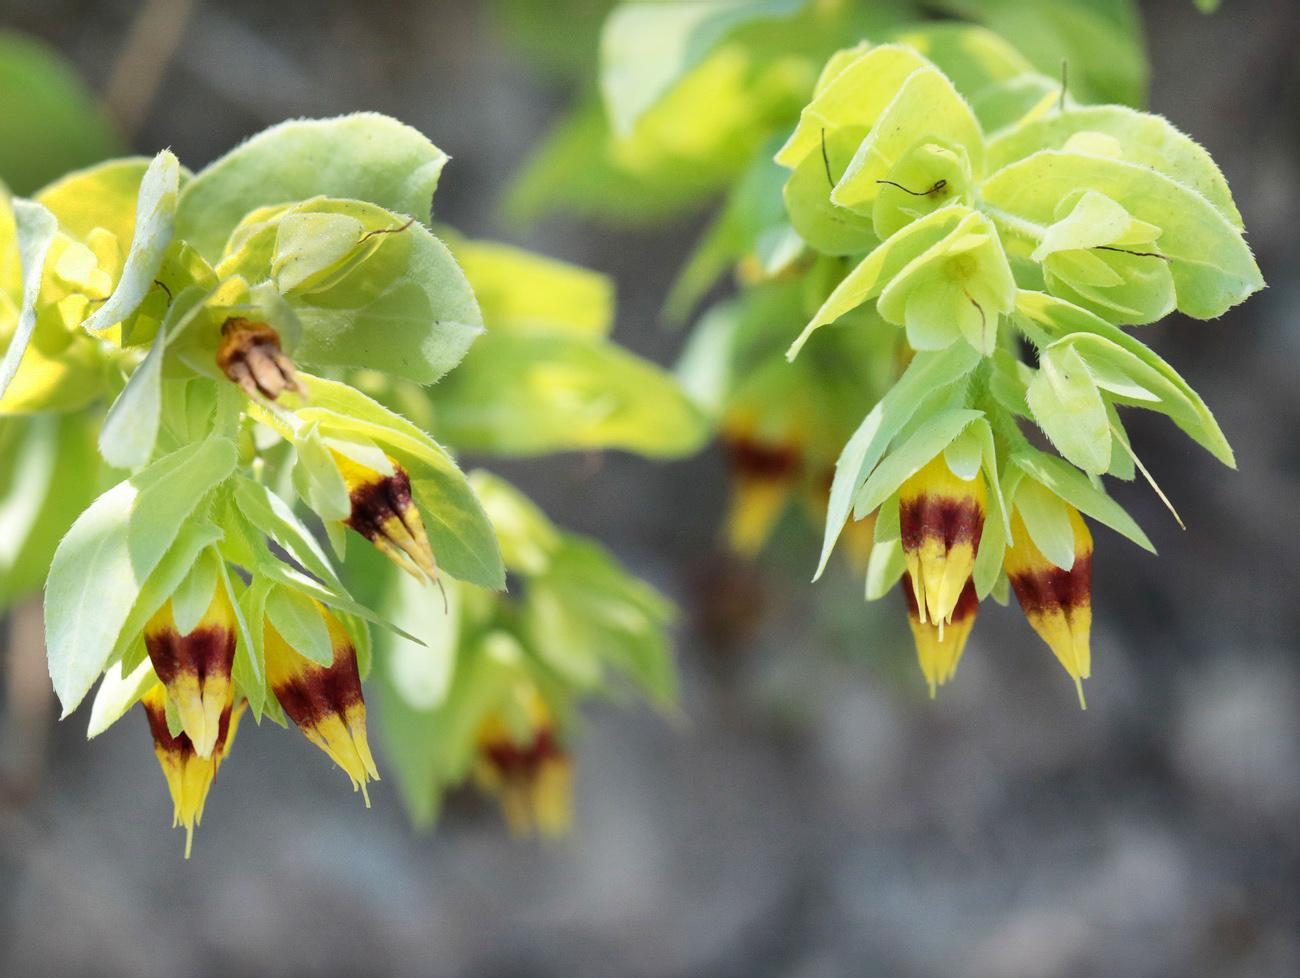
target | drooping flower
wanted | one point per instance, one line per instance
(195, 667)
(250, 356)
(1057, 601)
(189, 775)
(528, 772)
(939, 649)
(385, 514)
(325, 702)
(942, 519)
(763, 476)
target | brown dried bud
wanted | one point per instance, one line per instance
(251, 357)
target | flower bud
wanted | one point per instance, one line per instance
(1057, 602)
(195, 667)
(189, 776)
(384, 513)
(249, 355)
(324, 702)
(939, 649)
(941, 518)
(531, 777)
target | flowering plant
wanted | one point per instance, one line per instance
(964, 242)
(264, 332)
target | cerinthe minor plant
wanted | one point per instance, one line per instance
(233, 353)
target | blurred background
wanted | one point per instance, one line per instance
(813, 814)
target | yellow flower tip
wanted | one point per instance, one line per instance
(763, 475)
(941, 518)
(1057, 602)
(250, 355)
(385, 514)
(532, 784)
(189, 775)
(195, 667)
(939, 649)
(1078, 684)
(531, 776)
(324, 702)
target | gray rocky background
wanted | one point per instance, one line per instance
(816, 816)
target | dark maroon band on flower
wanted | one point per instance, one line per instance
(750, 458)
(952, 520)
(375, 503)
(1051, 588)
(511, 758)
(317, 691)
(206, 651)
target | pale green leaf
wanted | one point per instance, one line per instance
(926, 106)
(879, 268)
(856, 96)
(884, 567)
(521, 292)
(194, 537)
(519, 394)
(300, 623)
(131, 427)
(364, 156)
(929, 439)
(191, 600)
(1115, 351)
(1073, 486)
(114, 546)
(528, 538)
(36, 228)
(1067, 405)
(1211, 264)
(1047, 521)
(117, 694)
(646, 47)
(924, 375)
(155, 218)
(1144, 139)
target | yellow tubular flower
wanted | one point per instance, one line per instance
(195, 667)
(763, 474)
(531, 779)
(1058, 603)
(942, 520)
(939, 650)
(324, 702)
(189, 776)
(384, 513)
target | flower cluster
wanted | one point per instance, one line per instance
(199, 345)
(976, 225)
(967, 245)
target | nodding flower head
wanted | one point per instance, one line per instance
(1057, 601)
(385, 514)
(939, 649)
(195, 667)
(250, 355)
(763, 476)
(324, 702)
(189, 776)
(528, 772)
(941, 518)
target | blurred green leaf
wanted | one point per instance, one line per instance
(50, 123)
